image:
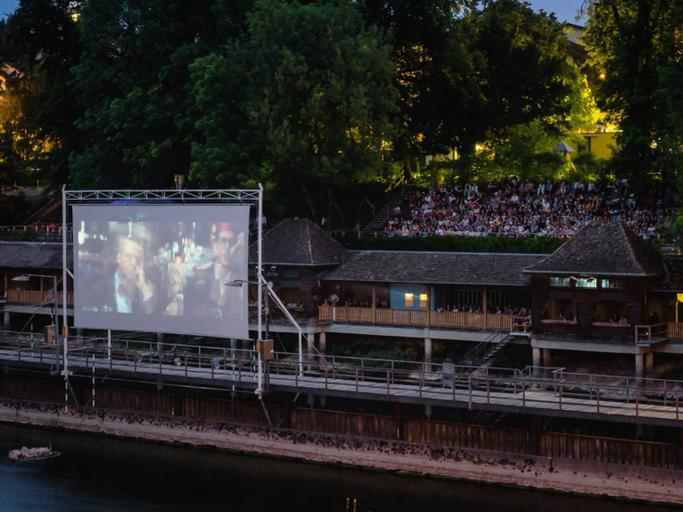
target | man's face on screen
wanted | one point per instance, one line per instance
(222, 242)
(129, 259)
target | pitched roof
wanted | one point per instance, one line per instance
(38, 255)
(461, 268)
(605, 248)
(299, 242)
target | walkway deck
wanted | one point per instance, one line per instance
(543, 391)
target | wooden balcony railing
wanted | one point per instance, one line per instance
(36, 297)
(446, 319)
(674, 330)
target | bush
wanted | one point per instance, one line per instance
(457, 243)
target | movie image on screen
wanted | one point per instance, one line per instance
(162, 268)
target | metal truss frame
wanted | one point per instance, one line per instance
(184, 195)
(218, 195)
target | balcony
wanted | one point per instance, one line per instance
(37, 297)
(402, 317)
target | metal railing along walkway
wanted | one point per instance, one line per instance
(535, 390)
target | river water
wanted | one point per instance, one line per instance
(104, 474)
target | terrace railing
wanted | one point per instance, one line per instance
(403, 317)
(531, 388)
(646, 335)
(36, 297)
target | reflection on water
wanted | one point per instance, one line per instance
(98, 474)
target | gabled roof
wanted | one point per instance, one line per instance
(34, 255)
(463, 268)
(604, 248)
(298, 242)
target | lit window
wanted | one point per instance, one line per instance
(586, 282)
(409, 300)
(560, 281)
(423, 300)
(612, 283)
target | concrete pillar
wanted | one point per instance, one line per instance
(547, 358)
(310, 345)
(6, 318)
(536, 356)
(322, 342)
(649, 364)
(640, 365)
(428, 350)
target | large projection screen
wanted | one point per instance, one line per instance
(162, 268)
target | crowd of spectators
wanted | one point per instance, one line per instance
(516, 207)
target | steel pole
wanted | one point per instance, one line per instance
(65, 323)
(259, 271)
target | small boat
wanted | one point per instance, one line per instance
(37, 453)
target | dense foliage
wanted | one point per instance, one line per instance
(313, 97)
(306, 97)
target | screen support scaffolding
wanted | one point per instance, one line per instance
(186, 196)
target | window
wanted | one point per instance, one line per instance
(409, 299)
(560, 281)
(611, 284)
(424, 300)
(586, 282)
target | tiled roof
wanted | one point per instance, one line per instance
(35, 255)
(298, 242)
(434, 267)
(605, 248)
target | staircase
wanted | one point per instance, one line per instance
(483, 353)
(50, 212)
(488, 357)
(379, 220)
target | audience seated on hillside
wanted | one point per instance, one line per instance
(524, 208)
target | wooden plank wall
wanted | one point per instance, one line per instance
(414, 430)
(605, 449)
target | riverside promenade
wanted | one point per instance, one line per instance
(532, 390)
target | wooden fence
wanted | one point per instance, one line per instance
(606, 449)
(384, 316)
(674, 331)
(463, 435)
(37, 298)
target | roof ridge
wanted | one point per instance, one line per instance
(630, 243)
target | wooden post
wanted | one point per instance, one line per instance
(485, 307)
(374, 304)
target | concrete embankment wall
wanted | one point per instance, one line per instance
(545, 473)
(528, 438)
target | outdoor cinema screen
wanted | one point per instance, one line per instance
(162, 268)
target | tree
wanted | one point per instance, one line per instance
(41, 40)
(303, 102)
(523, 74)
(633, 43)
(134, 83)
